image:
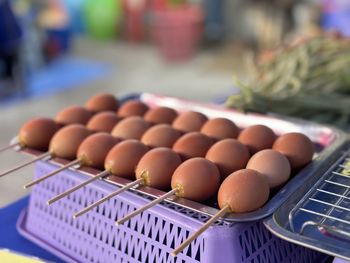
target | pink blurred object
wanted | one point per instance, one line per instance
(158, 4)
(134, 15)
(177, 31)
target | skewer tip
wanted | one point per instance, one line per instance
(10, 146)
(74, 216)
(185, 243)
(27, 186)
(121, 221)
(43, 178)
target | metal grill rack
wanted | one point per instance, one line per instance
(326, 207)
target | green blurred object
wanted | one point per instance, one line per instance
(176, 3)
(103, 18)
(309, 79)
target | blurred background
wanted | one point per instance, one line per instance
(56, 53)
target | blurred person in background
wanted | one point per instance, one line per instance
(10, 41)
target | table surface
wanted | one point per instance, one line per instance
(11, 239)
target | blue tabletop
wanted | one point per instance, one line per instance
(12, 240)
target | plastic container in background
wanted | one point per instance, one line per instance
(177, 31)
(58, 42)
(214, 20)
(336, 16)
(134, 13)
(102, 18)
(158, 4)
(76, 17)
(55, 22)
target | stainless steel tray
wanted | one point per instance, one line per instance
(318, 216)
(327, 140)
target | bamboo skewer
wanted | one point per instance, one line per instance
(149, 205)
(40, 157)
(73, 189)
(184, 244)
(72, 163)
(10, 146)
(123, 189)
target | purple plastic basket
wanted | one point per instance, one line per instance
(339, 260)
(149, 237)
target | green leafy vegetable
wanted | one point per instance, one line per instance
(310, 80)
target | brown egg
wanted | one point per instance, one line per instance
(297, 147)
(273, 165)
(103, 121)
(220, 128)
(257, 138)
(73, 115)
(130, 128)
(102, 102)
(193, 144)
(37, 133)
(244, 191)
(197, 179)
(229, 155)
(123, 158)
(66, 141)
(157, 166)
(94, 149)
(189, 121)
(132, 108)
(160, 135)
(160, 115)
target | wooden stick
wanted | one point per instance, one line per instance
(123, 189)
(149, 205)
(184, 244)
(52, 173)
(73, 189)
(40, 157)
(9, 146)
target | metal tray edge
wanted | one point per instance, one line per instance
(282, 233)
(272, 224)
